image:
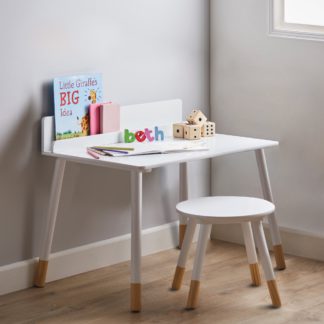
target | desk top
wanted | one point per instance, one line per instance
(138, 117)
(218, 145)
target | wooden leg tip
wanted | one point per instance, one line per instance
(136, 305)
(255, 274)
(182, 232)
(274, 294)
(279, 256)
(193, 295)
(41, 272)
(178, 277)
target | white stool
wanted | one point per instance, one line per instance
(225, 210)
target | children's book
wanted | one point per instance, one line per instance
(72, 98)
(94, 115)
(109, 118)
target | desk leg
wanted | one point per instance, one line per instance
(136, 249)
(48, 233)
(267, 194)
(183, 195)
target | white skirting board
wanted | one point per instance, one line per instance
(20, 275)
(294, 242)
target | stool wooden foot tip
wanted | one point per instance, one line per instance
(136, 304)
(193, 295)
(182, 232)
(274, 294)
(178, 277)
(255, 274)
(279, 256)
(40, 277)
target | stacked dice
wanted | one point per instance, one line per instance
(196, 127)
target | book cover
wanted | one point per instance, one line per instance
(72, 98)
(94, 114)
(109, 118)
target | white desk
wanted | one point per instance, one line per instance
(74, 151)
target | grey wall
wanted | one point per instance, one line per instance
(147, 51)
(272, 88)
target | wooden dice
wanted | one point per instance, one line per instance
(192, 132)
(178, 130)
(196, 118)
(208, 129)
(196, 127)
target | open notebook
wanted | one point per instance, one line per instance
(123, 149)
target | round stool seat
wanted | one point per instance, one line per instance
(226, 209)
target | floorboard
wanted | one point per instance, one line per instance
(102, 296)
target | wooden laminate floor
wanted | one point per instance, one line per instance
(102, 296)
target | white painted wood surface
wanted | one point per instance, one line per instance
(136, 226)
(225, 209)
(56, 188)
(166, 113)
(267, 194)
(218, 145)
(150, 114)
(204, 234)
(47, 134)
(183, 187)
(261, 244)
(183, 256)
(249, 243)
(133, 117)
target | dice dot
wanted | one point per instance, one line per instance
(200, 119)
(178, 131)
(195, 129)
(195, 136)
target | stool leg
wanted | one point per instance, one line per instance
(183, 256)
(204, 233)
(251, 253)
(182, 230)
(183, 195)
(266, 262)
(267, 194)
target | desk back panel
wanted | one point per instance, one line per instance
(133, 117)
(160, 113)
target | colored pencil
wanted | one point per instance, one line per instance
(95, 150)
(115, 151)
(93, 154)
(114, 148)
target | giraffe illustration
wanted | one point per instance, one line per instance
(93, 96)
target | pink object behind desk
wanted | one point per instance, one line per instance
(94, 113)
(109, 118)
